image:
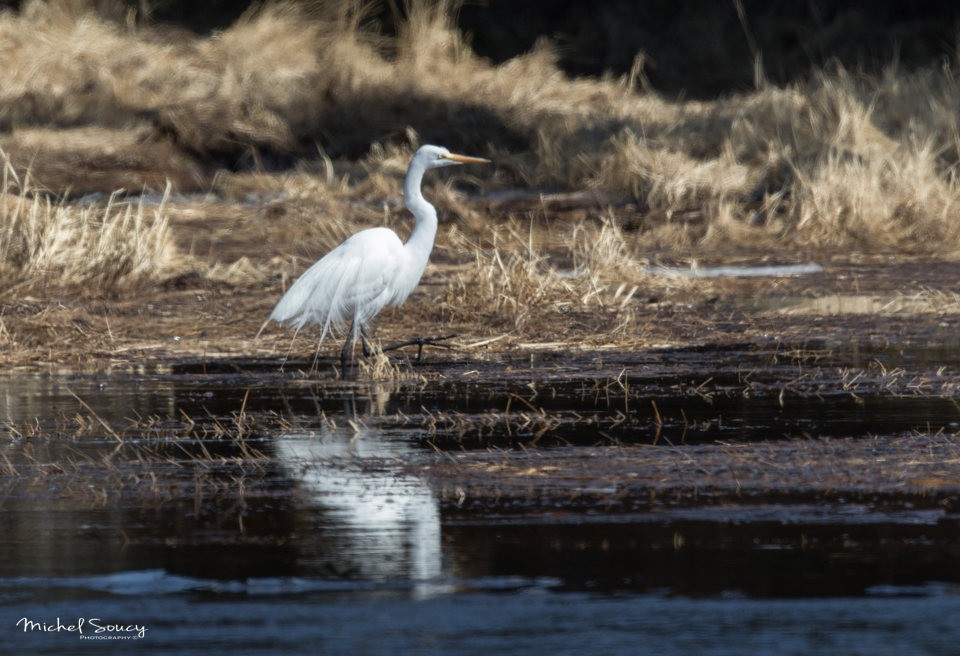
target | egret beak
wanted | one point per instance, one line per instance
(464, 159)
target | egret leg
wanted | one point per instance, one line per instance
(420, 342)
(365, 342)
(346, 353)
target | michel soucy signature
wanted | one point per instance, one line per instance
(86, 628)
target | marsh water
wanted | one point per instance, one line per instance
(234, 507)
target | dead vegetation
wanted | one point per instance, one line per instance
(292, 128)
(120, 243)
(918, 468)
(840, 160)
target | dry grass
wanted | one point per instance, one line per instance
(295, 125)
(380, 368)
(97, 246)
(840, 160)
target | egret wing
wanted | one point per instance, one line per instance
(353, 280)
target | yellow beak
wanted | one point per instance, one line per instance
(464, 159)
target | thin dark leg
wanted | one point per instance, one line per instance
(420, 343)
(347, 351)
(364, 342)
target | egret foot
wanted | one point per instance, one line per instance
(420, 343)
(346, 353)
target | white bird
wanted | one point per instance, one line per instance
(370, 270)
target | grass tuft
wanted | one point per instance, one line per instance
(99, 246)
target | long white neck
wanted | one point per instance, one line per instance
(420, 243)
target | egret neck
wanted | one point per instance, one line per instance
(420, 243)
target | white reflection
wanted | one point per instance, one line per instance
(381, 522)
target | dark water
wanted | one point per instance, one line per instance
(232, 508)
(511, 620)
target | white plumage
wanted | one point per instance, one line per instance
(370, 270)
(354, 280)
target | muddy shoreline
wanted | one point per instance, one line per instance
(191, 318)
(837, 387)
(870, 474)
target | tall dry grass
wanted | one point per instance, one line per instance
(517, 284)
(94, 247)
(840, 160)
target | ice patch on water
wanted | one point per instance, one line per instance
(772, 270)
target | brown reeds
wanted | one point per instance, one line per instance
(296, 123)
(103, 245)
(842, 159)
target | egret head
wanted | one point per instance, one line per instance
(436, 156)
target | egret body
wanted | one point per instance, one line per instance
(370, 270)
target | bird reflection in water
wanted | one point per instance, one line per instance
(375, 521)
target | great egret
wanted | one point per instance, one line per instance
(370, 270)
